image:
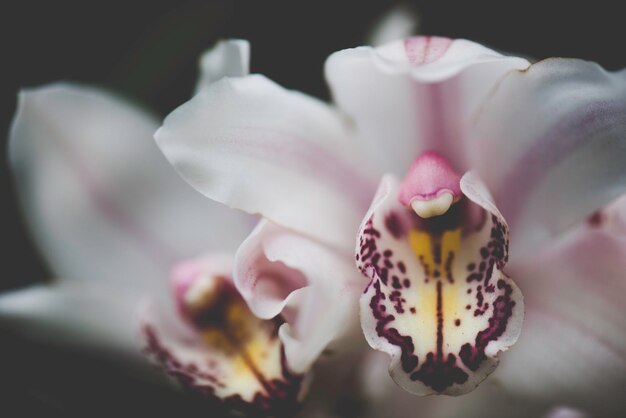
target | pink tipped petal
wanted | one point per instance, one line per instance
(268, 286)
(101, 201)
(254, 146)
(573, 348)
(412, 95)
(221, 351)
(228, 58)
(550, 144)
(438, 302)
(422, 50)
(314, 288)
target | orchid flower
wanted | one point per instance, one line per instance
(137, 248)
(472, 150)
(475, 150)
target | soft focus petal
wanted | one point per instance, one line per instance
(221, 350)
(564, 412)
(255, 146)
(315, 289)
(100, 198)
(399, 23)
(550, 143)
(572, 350)
(228, 58)
(82, 314)
(438, 302)
(415, 94)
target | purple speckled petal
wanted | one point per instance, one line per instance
(220, 349)
(438, 302)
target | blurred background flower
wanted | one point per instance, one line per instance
(149, 54)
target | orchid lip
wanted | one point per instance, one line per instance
(226, 353)
(437, 302)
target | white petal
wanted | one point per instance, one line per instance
(228, 58)
(254, 146)
(564, 412)
(398, 23)
(572, 349)
(81, 314)
(416, 94)
(315, 289)
(550, 143)
(101, 200)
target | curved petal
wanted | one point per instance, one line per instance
(101, 200)
(254, 146)
(416, 94)
(557, 133)
(398, 23)
(565, 412)
(228, 58)
(312, 287)
(222, 351)
(83, 314)
(573, 347)
(438, 302)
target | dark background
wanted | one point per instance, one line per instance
(148, 51)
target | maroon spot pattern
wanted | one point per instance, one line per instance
(472, 356)
(438, 370)
(280, 399)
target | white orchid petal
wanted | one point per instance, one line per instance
(101, 200)
(268, 286)
(398, 23)
(416, 94)
(565, 412)
(81, 314)
(550, 145)
(315, 289)
(438, 302)
(228, 58)
(571, 351)
(254, 146)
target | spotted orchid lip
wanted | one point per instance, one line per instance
(221, 350)
(437, 302)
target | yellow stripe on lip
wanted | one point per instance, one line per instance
(436, 255)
